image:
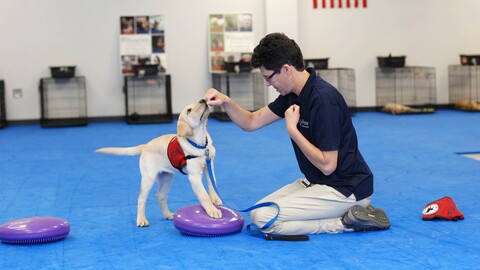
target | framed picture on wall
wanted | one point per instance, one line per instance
(231, 42)
(142, 43)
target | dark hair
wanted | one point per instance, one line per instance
(275, 50)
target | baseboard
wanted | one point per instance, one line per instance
(90, 120)
(175, 116)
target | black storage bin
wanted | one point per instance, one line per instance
(391, 61)
(62, 72)
(235, 67)
(148, 99)
(320, 63)
(230, 67)
(245, 66)
(145, 70)
(469, 60)
(3, 116)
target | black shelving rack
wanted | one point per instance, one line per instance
(248, 89)
(344, 80)
(3, 114)
(63, 102)
(148, 99)
(412, 86)
(464, 84)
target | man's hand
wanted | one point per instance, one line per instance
(214, 97)
(292, 116)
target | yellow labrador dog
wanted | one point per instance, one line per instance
(187, 152)
(467, 105)
(394, 108)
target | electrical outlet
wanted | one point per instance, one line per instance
(17, 93)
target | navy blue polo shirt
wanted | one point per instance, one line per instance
(326, 122)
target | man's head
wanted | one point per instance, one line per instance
(275, 50)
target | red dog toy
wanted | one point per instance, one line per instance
(443, 208)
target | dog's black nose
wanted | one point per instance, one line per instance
(203, 101)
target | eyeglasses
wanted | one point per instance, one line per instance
(269, 77)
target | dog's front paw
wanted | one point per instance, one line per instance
(142, 222)
(216, 200)
(214, 213)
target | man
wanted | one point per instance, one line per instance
(335, 194)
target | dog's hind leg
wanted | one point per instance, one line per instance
(145, 187)
(164, 180)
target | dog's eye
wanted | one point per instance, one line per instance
(189, 110)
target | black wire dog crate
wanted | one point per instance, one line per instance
(248, 89)
(344, 80)
(414, 87)
(3, 114)
(63, 102)
(464, 87)
(148, 99)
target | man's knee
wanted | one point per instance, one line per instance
(262, 216)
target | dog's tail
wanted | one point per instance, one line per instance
(122, 151)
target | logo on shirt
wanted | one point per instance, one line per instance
(303, 123)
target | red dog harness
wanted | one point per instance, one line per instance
(177, 156)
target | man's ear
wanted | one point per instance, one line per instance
(183, 129)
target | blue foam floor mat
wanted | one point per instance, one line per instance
(55, 172)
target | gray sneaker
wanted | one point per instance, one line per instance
(366, 219)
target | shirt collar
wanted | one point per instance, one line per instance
(307, 88)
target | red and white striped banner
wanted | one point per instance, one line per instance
(341, 4)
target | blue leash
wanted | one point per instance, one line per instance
(253, 229)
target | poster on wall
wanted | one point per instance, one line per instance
(142, 43)
(231, 42)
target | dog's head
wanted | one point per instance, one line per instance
(192, 117)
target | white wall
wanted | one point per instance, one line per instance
(281, 16)
(37, 34)
(429, 32)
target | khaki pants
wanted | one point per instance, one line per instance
(311, 210)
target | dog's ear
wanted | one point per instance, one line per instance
(183, 129)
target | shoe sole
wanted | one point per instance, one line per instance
(365, 219)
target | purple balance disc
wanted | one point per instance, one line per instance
(34, 230)
(193, 220)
